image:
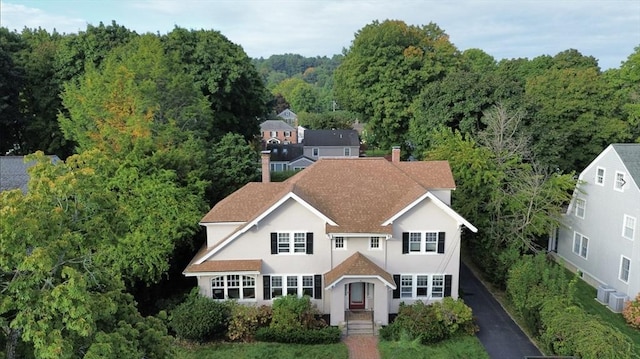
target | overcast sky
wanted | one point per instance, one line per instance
(609, 30)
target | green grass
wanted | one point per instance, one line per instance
(261, 351)
(456, 348)
(585, 295)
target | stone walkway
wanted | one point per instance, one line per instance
(362, 346)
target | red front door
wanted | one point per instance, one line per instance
(356, 296)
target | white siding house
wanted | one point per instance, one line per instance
(600, 234)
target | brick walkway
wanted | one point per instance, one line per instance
(362, 346)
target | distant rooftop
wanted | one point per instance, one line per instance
(13, 172)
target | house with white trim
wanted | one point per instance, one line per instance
(600, 237)
(353, 234)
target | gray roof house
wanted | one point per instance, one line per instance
(277, 131)
(600, 236)
(353, 234)
(287, 157)
(13, 172)
(331, 143)
(289, 117)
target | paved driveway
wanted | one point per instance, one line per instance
(499, 334)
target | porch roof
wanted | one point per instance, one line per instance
(355, 266)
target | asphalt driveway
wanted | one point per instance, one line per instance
(499, 334)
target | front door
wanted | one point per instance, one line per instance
(356, 296)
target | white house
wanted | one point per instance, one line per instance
(600, 233)
(354, 234)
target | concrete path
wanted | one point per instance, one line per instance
(499, 334)
(362, 346)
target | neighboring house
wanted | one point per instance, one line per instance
(13, 172)
(287, 157)
(600, 237)
(276, 131)
(289, 117)
(331, 143)
(354, 234)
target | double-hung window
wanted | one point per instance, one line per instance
(406, 286)
(422, 285)
(298, 285)
(580, 245)
(581, 206)
(315, 152)
(292, 242)
(274, 133)
(625, 265)
(423, 242)
(437, 286)
(347, 151)
(600, 176)
(628, 227)
(619, 182)
(233, 286)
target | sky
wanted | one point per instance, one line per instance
(608, 30)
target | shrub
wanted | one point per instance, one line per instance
(532, 279)
(326, 335)
(200, 318)
(430, 323)
(246, 320)
(569, 330)
(631, 312)
(291, 312)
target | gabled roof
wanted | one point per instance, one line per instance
(629, 154)
(357, 265)
(276, 125)
(13, 172)
(351, 195)
(287, 114)
(331, 138)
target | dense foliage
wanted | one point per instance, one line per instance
(430, 323)
(200, 318)
(631, 312)
(326, 335)
(545, 298)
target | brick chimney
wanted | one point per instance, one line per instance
(395, 154)
(266, 167)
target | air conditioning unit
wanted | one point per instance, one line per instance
(603, 293)
(616, 301)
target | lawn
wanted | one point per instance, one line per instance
(457, 348)
(261, 351)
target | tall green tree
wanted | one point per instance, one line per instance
(61, 293)
(227, 78)
(385, 67)
(11, 82)
(235, 163)
(151, 161)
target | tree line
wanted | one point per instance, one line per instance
(154, 129)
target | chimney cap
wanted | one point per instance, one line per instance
(265, 152)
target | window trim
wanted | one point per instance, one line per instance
(347, 151)
(578, 207)
(615, 182)
(423, 242)
(241, 286)
(300, 285)
(633, 228)
(292, 243)
(273, 134)
(580, 245)
(315, 152)
(604, 172)
(410, 280)
(622, 258)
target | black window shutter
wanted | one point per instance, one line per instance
(266, 286)
(274, 243)
(405, 243)
(441, 242)
(317, 286)
(309, 242)
(447, 285)
(396, 292)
